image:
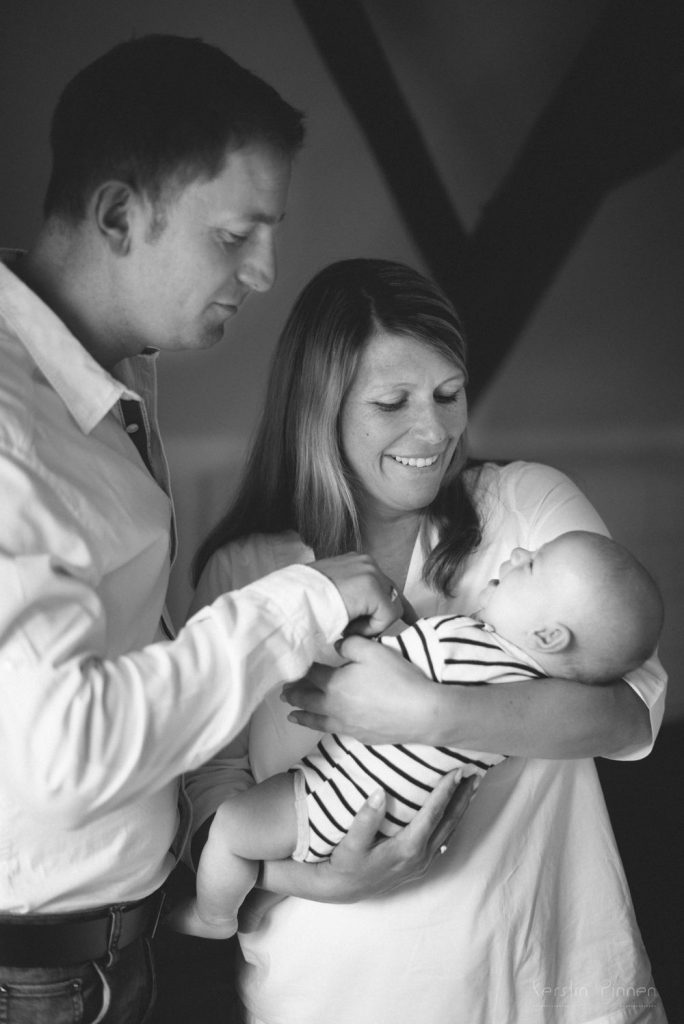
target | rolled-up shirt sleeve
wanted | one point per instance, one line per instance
(229, 771)
(83, 733)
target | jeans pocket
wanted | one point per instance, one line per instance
(46, 1002)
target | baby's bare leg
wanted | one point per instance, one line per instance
(259, 824)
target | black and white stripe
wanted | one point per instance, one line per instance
(341, 772)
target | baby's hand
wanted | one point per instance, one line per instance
(184, 918)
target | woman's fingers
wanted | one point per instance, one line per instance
(363, 831)
(456, 806)
(309, 720)
(307, 696)
(362, 866)
(434, 823)
(377, 696)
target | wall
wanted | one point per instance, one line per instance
(594, 384)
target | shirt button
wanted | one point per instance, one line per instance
(132, 428)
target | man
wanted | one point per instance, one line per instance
(171, 167)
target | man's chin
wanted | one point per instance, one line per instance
(210, 337)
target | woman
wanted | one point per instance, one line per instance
(527, 917)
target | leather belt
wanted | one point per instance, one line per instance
(59, 940)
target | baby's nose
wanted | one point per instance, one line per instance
(519, 556)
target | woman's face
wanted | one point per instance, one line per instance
(400, 423)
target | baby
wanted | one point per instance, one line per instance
(580, 607)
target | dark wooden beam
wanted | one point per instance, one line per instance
(358, 65)
(618, 112)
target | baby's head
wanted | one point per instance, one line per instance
(581, 605)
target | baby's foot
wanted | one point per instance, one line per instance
(185, 918)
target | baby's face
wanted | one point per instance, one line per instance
(533, 588)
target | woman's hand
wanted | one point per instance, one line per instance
(360, 866)
(378, 697)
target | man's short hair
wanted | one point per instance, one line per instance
(155, 111)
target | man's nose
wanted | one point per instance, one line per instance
(258, 268)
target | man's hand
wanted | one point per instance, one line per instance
(371, 598)
(378, 697)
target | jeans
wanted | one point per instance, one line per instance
(83, 994)
(195, 979)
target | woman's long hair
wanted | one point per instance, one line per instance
(296, 477)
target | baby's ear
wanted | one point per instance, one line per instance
(552, 639)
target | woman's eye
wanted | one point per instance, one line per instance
(390, 406)
(447, 399)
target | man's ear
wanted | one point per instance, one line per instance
(113, 210)
(552, 639)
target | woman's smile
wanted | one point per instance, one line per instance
(416, 461)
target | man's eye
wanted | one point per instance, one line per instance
(233, 239)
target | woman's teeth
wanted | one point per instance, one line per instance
(418, 463)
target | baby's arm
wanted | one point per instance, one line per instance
(259, 824)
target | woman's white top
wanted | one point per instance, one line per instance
(526, 919)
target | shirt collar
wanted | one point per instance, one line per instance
(510, 648)
(85, 387)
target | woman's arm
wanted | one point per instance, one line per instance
(380, 698)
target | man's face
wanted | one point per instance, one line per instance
(180, 286)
